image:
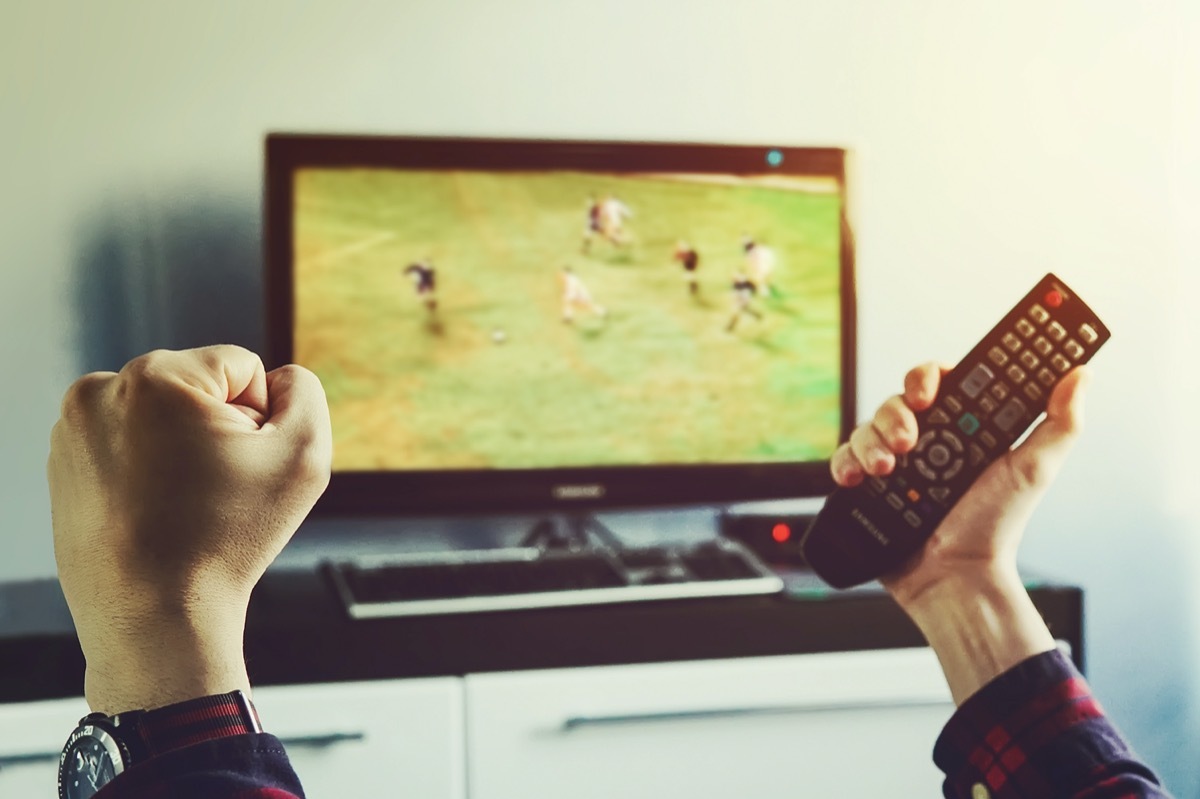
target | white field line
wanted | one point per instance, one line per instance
(352, 248)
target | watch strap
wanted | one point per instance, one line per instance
(193, 721)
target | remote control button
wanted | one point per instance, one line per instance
(1047, 377)
(976, 381)
(987, 404)
(1088, 334)
(975, 456)
(1033, 391)
(1011, 342)
(913, 495)
(1073, 349)
(938, 455)
(968, 423)
(940, 493)
(988, 439)
(952, 404)
(1060, 363)
(1039, 314)
(1056, 331)
(1016, 374)
(894, 500)
(1042, 345)
(953, 441)
(1000, 391)
(1024, 328)
(924, 441)
(1029, 360)
(1010, 414)
(1054, 298)
(923, 468)
(913, 519)
(997, 356)
(878, 484)
(938, 416)
(954, 469)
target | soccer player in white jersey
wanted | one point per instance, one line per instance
(759, 261)
(575, 296)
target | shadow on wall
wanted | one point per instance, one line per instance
(174, 270)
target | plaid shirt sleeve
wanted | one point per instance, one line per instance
(1036, 731)
(206, 750)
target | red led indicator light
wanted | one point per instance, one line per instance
(1053, 298)
(781, 532)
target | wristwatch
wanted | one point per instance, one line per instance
(102, 747)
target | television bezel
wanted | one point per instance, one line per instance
(566, 489)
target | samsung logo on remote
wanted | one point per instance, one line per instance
(588, 491)
(878, 534)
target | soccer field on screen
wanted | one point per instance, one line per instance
(495, 378)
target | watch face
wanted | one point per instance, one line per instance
(90, 760)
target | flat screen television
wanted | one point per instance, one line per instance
(542, 326)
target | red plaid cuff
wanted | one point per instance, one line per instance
(1037, 731)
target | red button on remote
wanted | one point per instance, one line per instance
(1053, 298)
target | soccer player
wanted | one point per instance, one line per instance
(424, 280)
(743, 298)
(606, 218)
(613, 214)
(759, 262)
(592, 228)
(575, 296)
(686, 254)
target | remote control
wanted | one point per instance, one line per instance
(983, 406)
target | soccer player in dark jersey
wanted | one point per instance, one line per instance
(424, 280)
(743, 295)
(593, 227)
(686, 254)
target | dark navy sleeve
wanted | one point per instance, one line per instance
(250, 766)
(1036, 731)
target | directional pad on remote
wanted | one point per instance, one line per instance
(939, 455)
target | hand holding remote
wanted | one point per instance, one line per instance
(962, 588)
(980, 534)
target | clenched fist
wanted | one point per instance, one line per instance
(173, 485)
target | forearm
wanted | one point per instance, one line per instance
(980, 624)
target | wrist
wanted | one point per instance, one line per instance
(170, 657)
(980, 623)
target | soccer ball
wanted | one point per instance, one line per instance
(498, 336)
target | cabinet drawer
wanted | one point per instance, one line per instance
(32, 735)
(379, 739)
(841, 724)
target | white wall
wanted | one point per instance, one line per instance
(996, 142)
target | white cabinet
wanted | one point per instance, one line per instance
(842, 725)
(32, 735)
(401, 738)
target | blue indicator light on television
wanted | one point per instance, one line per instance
(774, 157)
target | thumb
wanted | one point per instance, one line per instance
(299, 411)
(1040, 457)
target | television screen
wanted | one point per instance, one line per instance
(529, 320)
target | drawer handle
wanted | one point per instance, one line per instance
(579, 722)
(7, 761)
(322, 741)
